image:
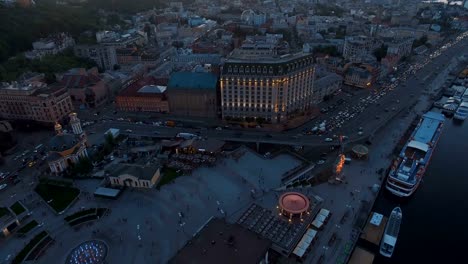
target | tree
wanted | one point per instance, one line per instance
(83, 167)
(380, 52)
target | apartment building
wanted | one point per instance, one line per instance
(270, 87)
(357, 47)
(34, 101)
(104, 56)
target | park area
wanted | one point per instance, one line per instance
(59, 197)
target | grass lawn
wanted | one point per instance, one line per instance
(3, 211)
(17, 208)
(25, 229)
(58, 197)
(25, 251)
(168, 175)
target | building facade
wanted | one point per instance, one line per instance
(356, 47)
(325, 86)
(34, 101)
(66, 149)
(272, 88)
(143, 95)
(85, 87)
(401, 47)
(193, 94)
(50, 46)
(360, 75)
(134, 175)
(104, 56)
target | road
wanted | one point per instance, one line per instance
(371, 110)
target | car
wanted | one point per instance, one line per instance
(3, 186)
(328, 140)
(320, 162)
(219, 128)
(360, 133)
(128, 130)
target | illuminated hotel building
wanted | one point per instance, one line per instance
(269, 87)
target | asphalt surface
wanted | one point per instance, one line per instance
(368, 110)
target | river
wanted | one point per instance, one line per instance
(435, 219)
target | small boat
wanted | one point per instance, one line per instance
(387, 245)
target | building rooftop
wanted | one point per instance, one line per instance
(143, 87)
(220, 242)
(193, 80)
(63, 142)
(152, 89)
(266, 58)
(136, 170)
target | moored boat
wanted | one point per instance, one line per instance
(389, 239)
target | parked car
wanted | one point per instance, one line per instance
(328, 140)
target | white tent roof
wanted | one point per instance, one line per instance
(321, 218)
(324, 212)
(317, 223)
(418, 145)
(299, 252)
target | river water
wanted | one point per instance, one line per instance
(434, 228)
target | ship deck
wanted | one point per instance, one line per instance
(373, 233)
(428, 128)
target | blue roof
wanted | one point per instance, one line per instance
(428, 128)
(193, 80)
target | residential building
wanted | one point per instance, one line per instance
(221, 242)
(269, 87)
(51, 45)
(193, 94)
(66, 149)
(34, 101)
(104, 56)
(360, 75)
(325, 85)
(134, 175)
(355, 47)
(118, 40)
(143, 95)
(86, 88)
(400, 46)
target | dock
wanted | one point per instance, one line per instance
(374, 229)
(361, 256)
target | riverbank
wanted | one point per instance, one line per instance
(352, 201)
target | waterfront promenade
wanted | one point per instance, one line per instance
(347, 199)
